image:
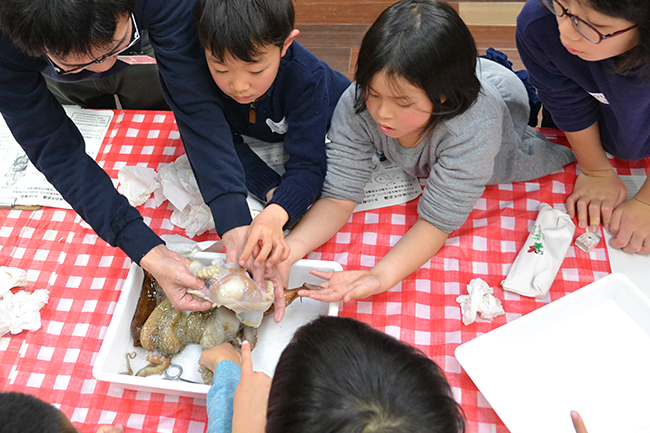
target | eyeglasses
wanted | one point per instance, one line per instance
(585, 29)
(135, 37)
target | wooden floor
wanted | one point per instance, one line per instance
(333, 30)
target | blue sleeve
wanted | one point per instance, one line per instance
(220, 397)
(56, 148)
(192, 94)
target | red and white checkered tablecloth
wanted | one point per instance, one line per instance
(85, 276)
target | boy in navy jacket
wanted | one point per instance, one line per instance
(274, 90)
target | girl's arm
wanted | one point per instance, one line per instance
(416, 247)
(598, 189)
(321, 222)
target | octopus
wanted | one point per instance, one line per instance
(164, 332)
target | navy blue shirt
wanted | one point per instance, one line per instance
(579, 93)
(297, 109)
(56, 148)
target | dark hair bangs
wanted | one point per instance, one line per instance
(64, 26)
(242, 28)
(426, 43)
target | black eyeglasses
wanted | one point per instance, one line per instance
(135, 37)
(585, 29)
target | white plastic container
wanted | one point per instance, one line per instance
(272, 337)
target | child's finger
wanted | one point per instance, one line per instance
(246, 359)
(326, 275)
(578, 424)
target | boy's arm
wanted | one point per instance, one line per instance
(598, 189)
(416, 247)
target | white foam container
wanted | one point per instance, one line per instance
(272, 337)
(588, 351)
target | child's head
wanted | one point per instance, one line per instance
(426, 44)
(339, 374)
(244, 42)
(603, 29)
(25, 413)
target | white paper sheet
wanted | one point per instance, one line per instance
(388, 186)
(21, 183)
(634, 266)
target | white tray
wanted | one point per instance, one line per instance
(588, 351)
(272, 337)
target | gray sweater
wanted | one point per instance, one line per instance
(489, 143)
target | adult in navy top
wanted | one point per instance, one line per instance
(80, 40)
(590, 63)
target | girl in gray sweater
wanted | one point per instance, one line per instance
(424, 100)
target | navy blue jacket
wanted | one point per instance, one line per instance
(297, 109)
(56, 148)
(579, 93)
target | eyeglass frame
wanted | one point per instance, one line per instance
(135, 37)
(576, 19)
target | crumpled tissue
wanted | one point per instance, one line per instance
(538, 262)
(174, 182)
(479, 300)
(137, 183)
(20, 311)
(10, 278)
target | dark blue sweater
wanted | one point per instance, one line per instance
(579, 93)
(56, 148)
(297, 109)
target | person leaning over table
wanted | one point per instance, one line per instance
(70, 40)
(590, 63)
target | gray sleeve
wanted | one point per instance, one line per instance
(465, 161)
(349, 152)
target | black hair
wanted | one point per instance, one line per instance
(242, 28)
(426, 43)
(341, 375)
(62, 27)
(637, 12)
(25, 413)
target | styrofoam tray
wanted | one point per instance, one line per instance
(588, 351)
(272, 337)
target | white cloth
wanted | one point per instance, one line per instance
(538, 262)
(479, 300)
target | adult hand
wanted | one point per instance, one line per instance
(265, 238)
(223, 352)
(234, 241)
(594, 197)
(111, 429)
(345, 285)
(630, 226)
(251, 396)
(170, 270)
(578, 424)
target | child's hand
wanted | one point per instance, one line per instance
(251, 397)
(111, 429)
(595, 196)
(265, 238)
(223, 352)
(578, 424)
(630, 226)
(345, 285)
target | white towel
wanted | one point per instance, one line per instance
(536, 265)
